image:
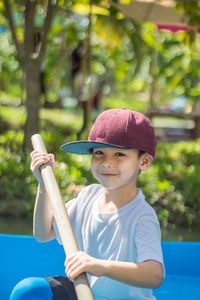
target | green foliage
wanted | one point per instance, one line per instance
(18, 185)
(10, 72)
(172, 183)
(191, 10)
(121, 60)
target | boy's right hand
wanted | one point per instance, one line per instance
(37, 160)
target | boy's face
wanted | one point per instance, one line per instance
(115, 167)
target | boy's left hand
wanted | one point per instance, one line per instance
(80, 262)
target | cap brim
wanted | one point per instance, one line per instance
(85, 147)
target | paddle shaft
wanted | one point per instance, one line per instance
(61, 218)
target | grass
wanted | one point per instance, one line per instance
(62, 118)
(172, 123)
(11, 97)
(14, 116)
(70, 121)
(125, 101)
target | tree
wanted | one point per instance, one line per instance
(30, 52)
(31, 44)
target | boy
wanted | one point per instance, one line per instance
(117, 231)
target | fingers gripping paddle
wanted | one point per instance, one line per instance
(61, 218)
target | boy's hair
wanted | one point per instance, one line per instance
(140, 153)
(121, 128)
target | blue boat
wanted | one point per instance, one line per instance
(22, 256)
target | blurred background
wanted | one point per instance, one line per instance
(63, 62)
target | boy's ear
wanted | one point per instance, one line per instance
(145, 161)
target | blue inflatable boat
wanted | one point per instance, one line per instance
(22, 256)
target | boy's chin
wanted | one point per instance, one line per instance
(108, 186)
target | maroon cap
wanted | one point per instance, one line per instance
(121, 128)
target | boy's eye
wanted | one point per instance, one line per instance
(119, 154)
(98, 152)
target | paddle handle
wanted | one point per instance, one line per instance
(83, 290)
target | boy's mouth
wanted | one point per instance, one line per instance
(107, 174)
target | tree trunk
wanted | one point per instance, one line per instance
(87, 70)
(86, 112)
(153, 69)
(31, 55)
(32, 72)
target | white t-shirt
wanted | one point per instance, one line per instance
(131, 234)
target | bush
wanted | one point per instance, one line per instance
(18, 185)
(171, 184)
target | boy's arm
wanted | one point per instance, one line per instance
(42, 217)
(147, 274)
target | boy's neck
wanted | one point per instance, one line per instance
(117, 198)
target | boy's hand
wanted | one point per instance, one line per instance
(37, 160)
(80, 262)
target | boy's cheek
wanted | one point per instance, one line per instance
(93, 166)
(94, 172)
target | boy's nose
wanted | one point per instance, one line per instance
(107, 162)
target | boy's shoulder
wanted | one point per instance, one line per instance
(145, 208)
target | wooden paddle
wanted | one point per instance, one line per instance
(61, 218)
